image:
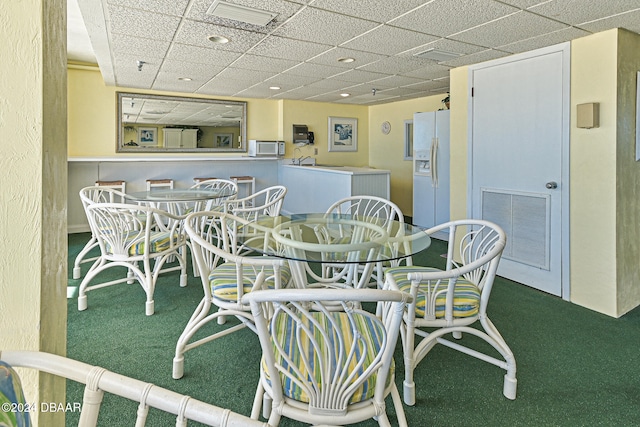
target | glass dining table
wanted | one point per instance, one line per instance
(336, 249)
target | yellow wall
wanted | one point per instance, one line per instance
(33, 277)
(316, 115)
(93, 120)
(387, 151)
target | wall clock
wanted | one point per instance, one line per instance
(385, 128)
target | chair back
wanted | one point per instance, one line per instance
(214, 184)
(99, 381)
(323, 358)
(264, 202)
(473, 254)
(127, 232)
(214, 239)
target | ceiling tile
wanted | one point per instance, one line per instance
(311, 69)
(359, 76)
(291, 80)
(311, 24)
(284, 48)
(448, 46)
(445, 17)
(629, 21)
(264, 63)
(549, 39)
(142, 48)
(485, 55)
(137, 23)
(374, 10)
(397, 65)
(429, 72)
(196, 33)
(500, 32)
(388, 40)
(168, 7)
(252, 76)
(201, 55)
(576, 12)
(331, 56)
(397, 81)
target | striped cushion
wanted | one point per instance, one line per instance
(372, 333)
(12, 396)
(466, 298)
(222, 279)
(159, 241)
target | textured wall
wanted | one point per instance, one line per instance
(33, 195)
(628, 175)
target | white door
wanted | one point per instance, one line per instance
(519, 161)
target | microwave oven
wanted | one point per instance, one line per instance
(266, 148)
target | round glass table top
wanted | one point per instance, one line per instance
(333, 238)
(179, 195)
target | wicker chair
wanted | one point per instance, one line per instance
(226, 276)
(99, 381)
(129, 235)
(322, 366)
(450, 301)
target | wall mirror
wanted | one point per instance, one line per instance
(157, 123)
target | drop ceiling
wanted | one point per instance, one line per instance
(298, 51)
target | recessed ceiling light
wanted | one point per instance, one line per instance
(218, 39)
(185, 79)
(274, 87)
(346, 59)
(344, 95)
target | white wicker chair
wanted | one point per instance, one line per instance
(106, 192)
(226, 276)
(378, 211)
(264, 202)
(129, 235)
(453, 299)
(217, 184)
(322, 366)
(99, 381)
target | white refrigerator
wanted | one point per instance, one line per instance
(431, 168)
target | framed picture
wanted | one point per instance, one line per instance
(223, 139)
(148, 136)
(343, 134)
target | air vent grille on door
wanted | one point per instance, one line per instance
(525, 218)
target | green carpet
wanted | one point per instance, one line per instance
(575, 367)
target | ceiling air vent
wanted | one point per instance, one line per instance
(249, 15)
(438, 55)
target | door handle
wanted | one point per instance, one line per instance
(552, 185)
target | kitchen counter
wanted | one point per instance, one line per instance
(350, 170)
(313, 189)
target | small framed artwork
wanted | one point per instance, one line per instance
(223, 139)
(343, 134)
(148, 136)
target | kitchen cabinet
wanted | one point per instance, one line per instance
(431, 182)
(313, 189)
(180, 138)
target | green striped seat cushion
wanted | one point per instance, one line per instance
(159, 241)
(466, 299)
(222, 279)
(15, 409)
(371, 332)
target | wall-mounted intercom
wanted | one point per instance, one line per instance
(301, 135)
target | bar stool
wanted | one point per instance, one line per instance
(119, 185)
(247, 180)
(159, 183)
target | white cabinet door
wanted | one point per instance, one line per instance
(189, 138)
(172, 137)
